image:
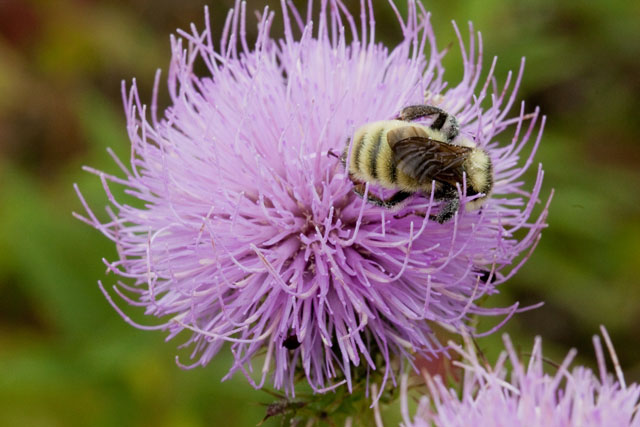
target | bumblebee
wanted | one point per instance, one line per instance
(414, 158)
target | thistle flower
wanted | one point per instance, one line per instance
(250, 232)
(529, 396)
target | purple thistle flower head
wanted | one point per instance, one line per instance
(526, 396)
(250, 232)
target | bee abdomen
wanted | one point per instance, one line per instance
(364, 151)
(356, 150)
(377, 140)
(386, 172)
(371, 156)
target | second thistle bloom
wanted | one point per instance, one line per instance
(526, 395)
(249, 232)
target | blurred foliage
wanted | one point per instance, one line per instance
(66, 358)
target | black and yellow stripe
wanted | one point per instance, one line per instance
(372, 158)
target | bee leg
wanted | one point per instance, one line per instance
(449, 208)
(389, 203)
(451, 205)
(444, 122)
(359, 187)
(396, 199)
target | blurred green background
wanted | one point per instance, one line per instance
(66, 358)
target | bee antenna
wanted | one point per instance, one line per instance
(331, 153)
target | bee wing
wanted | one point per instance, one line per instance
(426, 159)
